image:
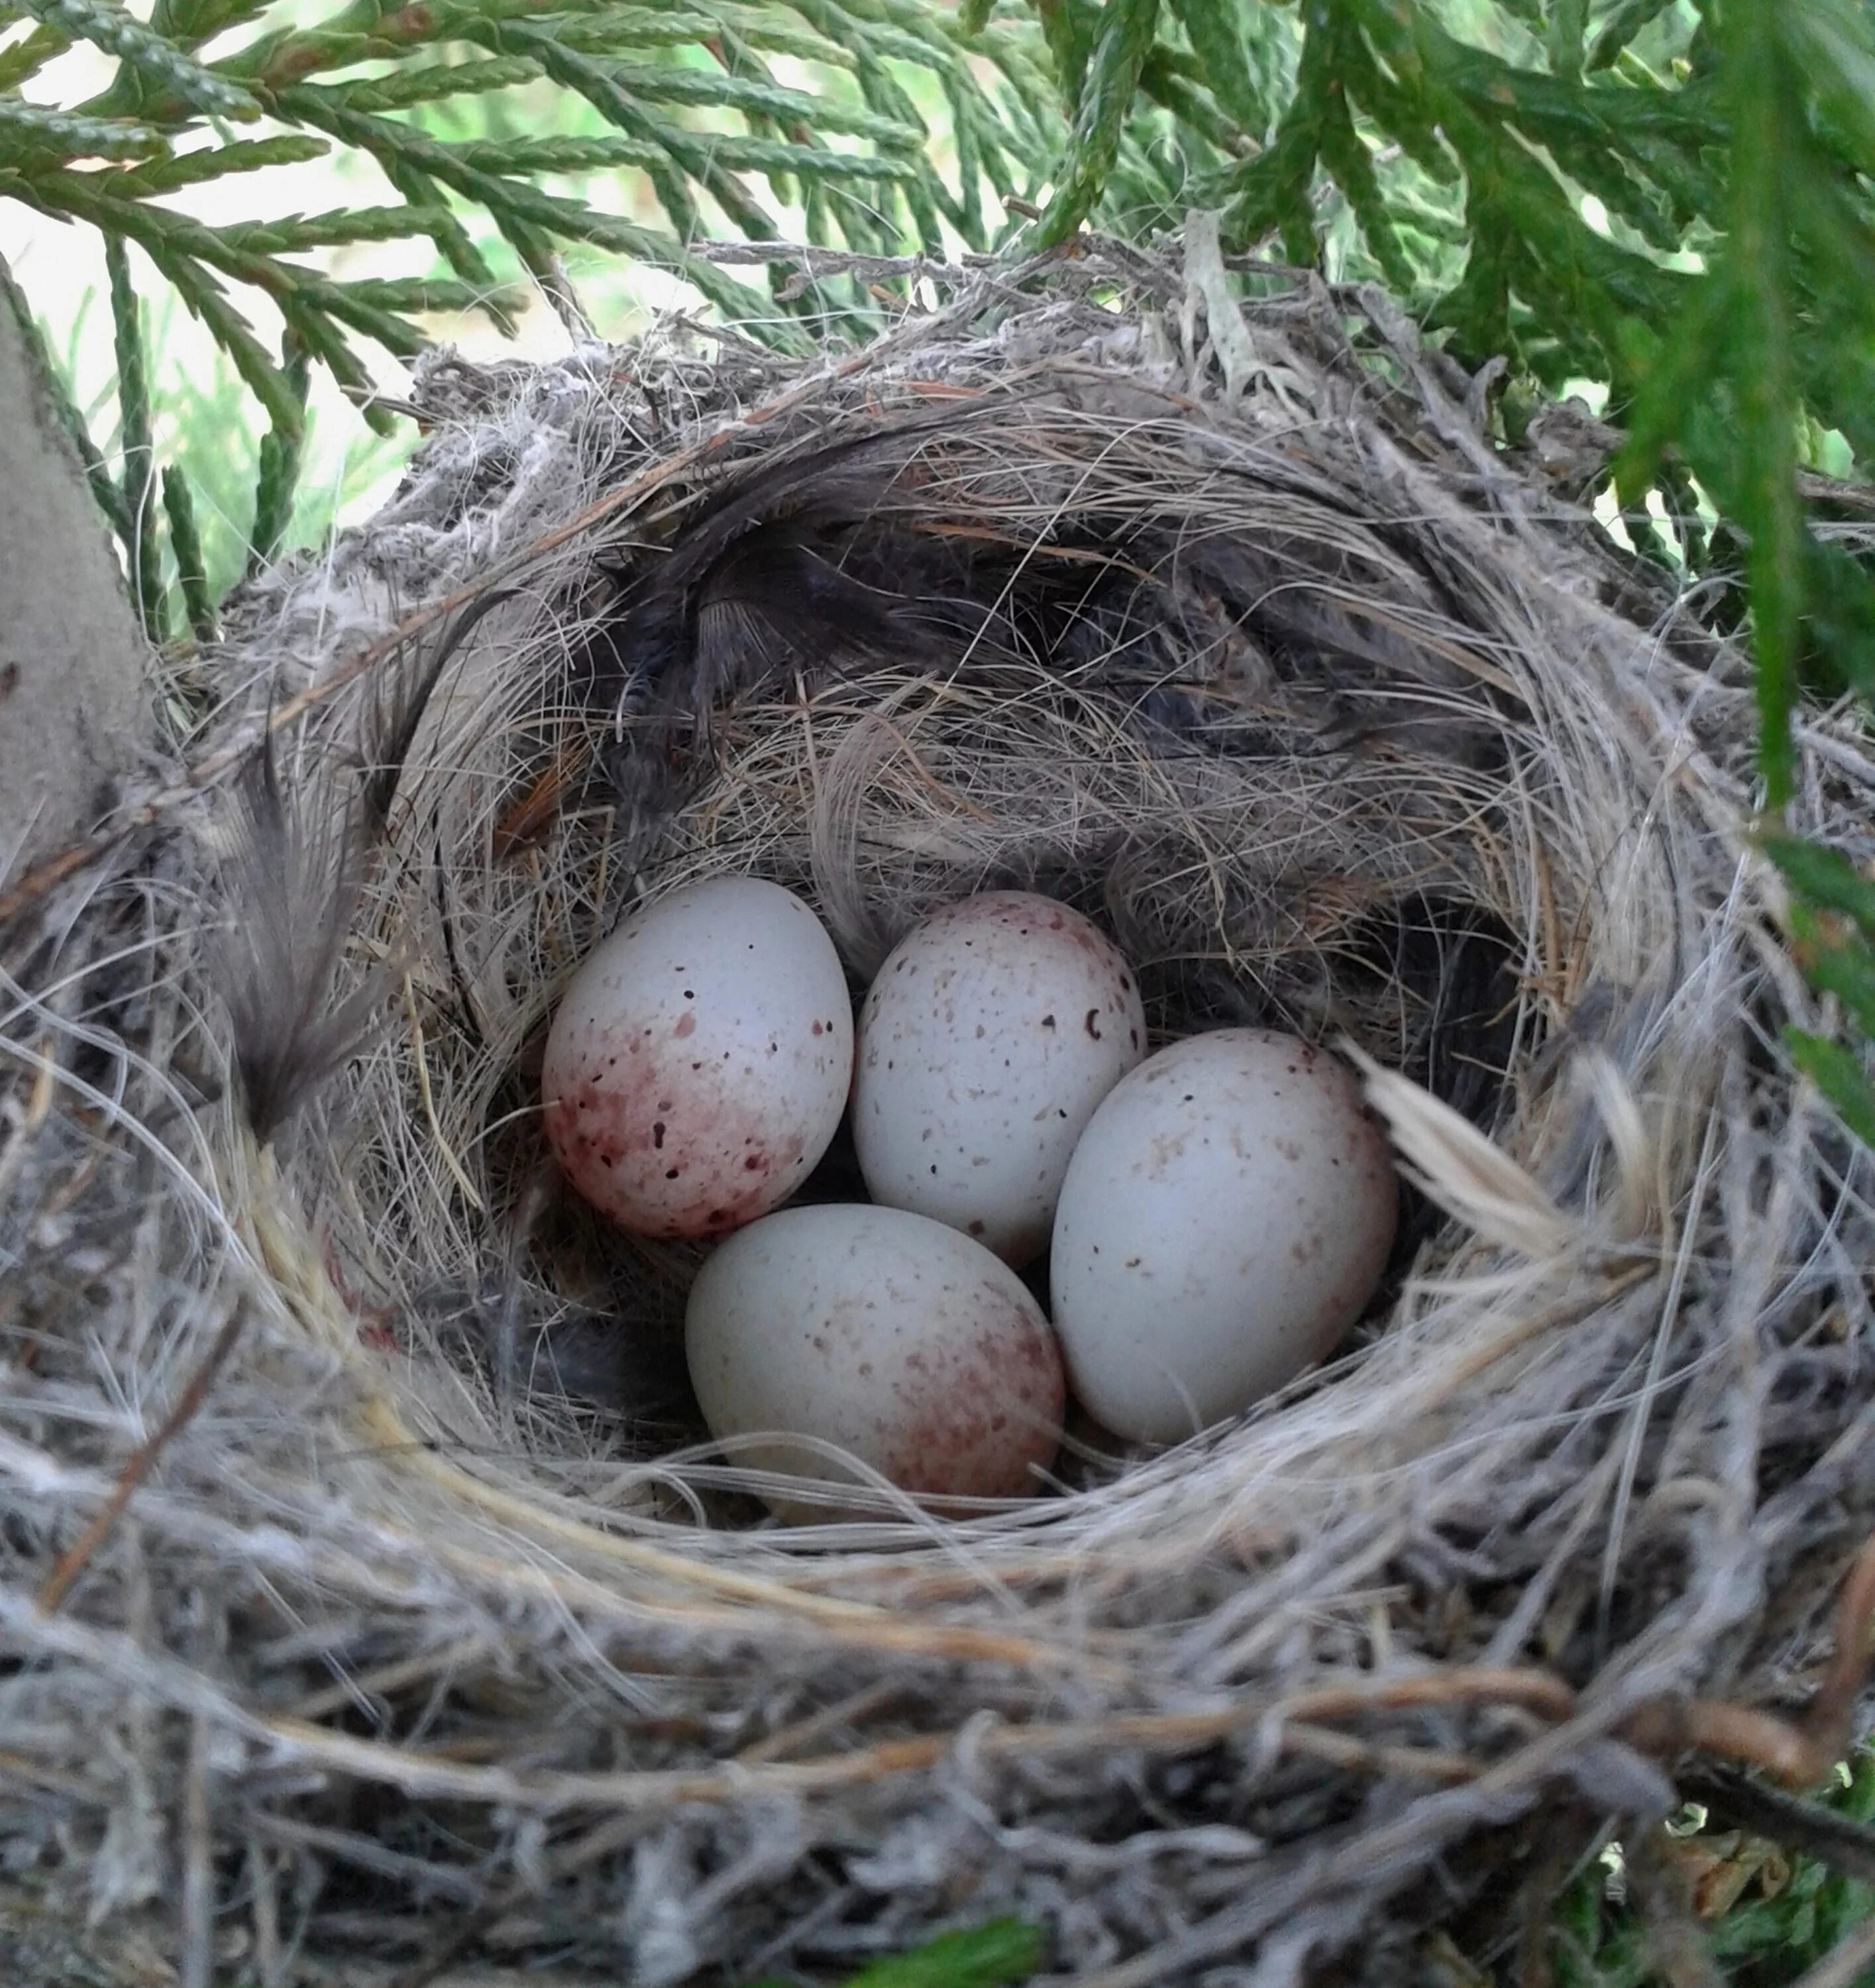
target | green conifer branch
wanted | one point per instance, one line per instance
(212, 162)
(513, 200)
(139, 444)
(189, 23)
(185, 546)
(27, 57)
(449, 239)
(856, 159)
(1765, 495)
(434, 82)
(278, 476)
(146, 54)
(1838, 1072)
(1110, 80)
(30, 130)
(1218, 43)
(298, 234)
(205, 300)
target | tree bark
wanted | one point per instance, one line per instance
(75, 679)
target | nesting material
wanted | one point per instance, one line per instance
(373, 1601)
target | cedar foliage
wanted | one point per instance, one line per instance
(1671, 196)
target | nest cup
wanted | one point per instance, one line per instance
(1229, 627)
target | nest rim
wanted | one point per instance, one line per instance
(1588, 1192)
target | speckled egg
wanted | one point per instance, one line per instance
(700, 1060)
(1225, 1220)
(986, 1039)
(890, 1336)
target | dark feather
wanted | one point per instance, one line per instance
(293, 883)
(762, 577)
(404, 684)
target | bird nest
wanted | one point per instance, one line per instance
(375, 1606)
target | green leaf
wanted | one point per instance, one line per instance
(1167, 79)
(1671, 378)
(997, 1955)
(1620, 28)
(647, 84)
(1826, 877)
(402, 296)
(1216, 34)
(1005, 1951)
(1840, 595)
(1070, 28)
(450, 237)
(1839, 1075)
(1831, 43)
(512, 200)
(1345, 153)
(1568, 29)
(531, 156)
(1275, 190)
(1843, 968)
(191, 22)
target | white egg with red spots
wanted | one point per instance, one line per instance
(986, 1039)
(700, 1060)
(893, 1337)
(1225, 1220)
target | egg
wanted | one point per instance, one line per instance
(891, 1336)
(985, 1042)
(700, 1060)
(1225, 1220)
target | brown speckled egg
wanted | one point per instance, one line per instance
(986, 1039)
(895, 1338)
(699, 1061)
(1225, 1220)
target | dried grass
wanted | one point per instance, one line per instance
(428, 1631)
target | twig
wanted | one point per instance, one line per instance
(421, 1774)
(1343, 1750)
(1844, 1967)
(73, 1562)
(268, 1958)
(1838, 1840)
(1801, 1754)
(616, 1832)
(818, 262)
(197, 1861)
(461, 1887)
(848, 1711)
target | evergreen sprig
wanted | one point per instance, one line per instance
(1674, 197)
(150, 59)
(687, 96)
